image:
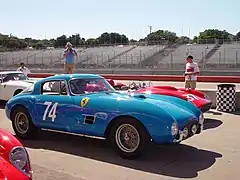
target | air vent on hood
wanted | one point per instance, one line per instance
(142, 96)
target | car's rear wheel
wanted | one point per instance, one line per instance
(22, 123)
(129, 138)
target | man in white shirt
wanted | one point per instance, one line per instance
(191, 72)
(24, 69)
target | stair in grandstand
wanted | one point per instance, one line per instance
(120, 54)
(210, 54)
(155, 58)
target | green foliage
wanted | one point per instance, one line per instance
(9, 42)
(237, 36)
(212, 36)
(162, 35)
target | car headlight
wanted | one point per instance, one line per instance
(201, 118)
(18, 156)
(174, 129)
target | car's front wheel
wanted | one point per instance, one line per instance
(129, 138)
(22, 123)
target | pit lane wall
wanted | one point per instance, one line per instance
(173, 78)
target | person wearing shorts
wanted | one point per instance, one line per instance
(191, 72)
(69, 55)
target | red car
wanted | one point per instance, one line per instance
(198, 98)
(14, 159)
(116, 85)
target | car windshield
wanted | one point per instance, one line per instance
(88, 86)
(13, 77)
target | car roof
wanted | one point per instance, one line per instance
(72, 76)
(10, 72)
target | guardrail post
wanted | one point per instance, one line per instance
(236, 58)
(219, 58)
(42, 58)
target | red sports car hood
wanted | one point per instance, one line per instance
(196, 97)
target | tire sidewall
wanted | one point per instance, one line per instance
(144, 138)
(31, 128)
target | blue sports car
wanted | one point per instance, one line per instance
(87, 104)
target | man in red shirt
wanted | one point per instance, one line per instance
(191, 72)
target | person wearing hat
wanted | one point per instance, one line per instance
(69, 56)
(191, 72)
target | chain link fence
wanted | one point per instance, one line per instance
(159, 56)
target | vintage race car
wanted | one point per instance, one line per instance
(14, 158)
(198, 98)
(87, 104)
(12, 83)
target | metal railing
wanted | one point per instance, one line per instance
(221, 59)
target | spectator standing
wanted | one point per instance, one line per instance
(23, 69)
(191, 73)
(69, 56)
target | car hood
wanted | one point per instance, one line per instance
(24, 83)
(155, 105)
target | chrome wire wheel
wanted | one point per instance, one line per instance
(21, 122)
(127, 138)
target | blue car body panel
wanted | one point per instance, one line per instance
(156, 112)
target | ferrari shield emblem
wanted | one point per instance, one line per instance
(84, 101)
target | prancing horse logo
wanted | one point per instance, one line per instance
(84, 101)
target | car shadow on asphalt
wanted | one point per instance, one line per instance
(210, 123)
(181, 161)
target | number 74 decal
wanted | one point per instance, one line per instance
(191, 97)
(52, 112)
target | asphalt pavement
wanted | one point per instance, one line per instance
(214, 154)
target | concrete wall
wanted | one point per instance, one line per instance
(229, 72)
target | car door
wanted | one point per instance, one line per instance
(53, 107)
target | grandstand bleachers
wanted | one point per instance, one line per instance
(100, 55)
(198, 51)
(226, 54)
(166, 57)
(136, 55)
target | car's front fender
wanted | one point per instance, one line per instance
(27, 102)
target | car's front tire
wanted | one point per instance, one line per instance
(129, 138)
(22, 123)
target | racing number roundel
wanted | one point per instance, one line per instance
(84, 102)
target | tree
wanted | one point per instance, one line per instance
(211, 35)
(112, 38)
(237, 36)
(161, 36)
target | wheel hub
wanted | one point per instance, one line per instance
(127, 138)
(21, 122)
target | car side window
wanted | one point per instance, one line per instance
(56, 87)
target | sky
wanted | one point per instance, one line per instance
(90, 18)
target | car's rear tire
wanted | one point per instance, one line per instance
(22, 123)
(136, 136)
(17, 92)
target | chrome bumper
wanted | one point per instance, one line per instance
(190, 129)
